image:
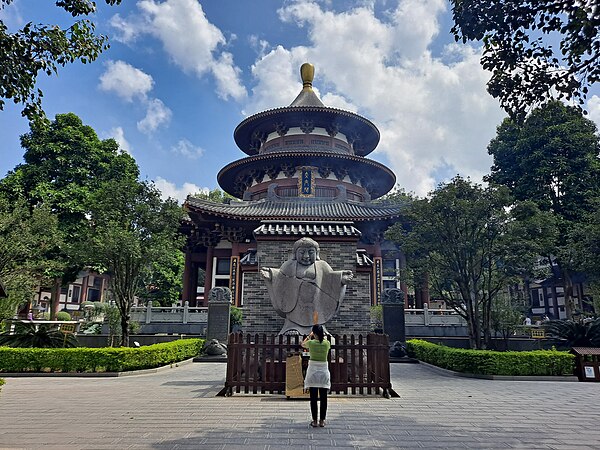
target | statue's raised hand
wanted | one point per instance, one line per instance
(266, 273)
(347, 276)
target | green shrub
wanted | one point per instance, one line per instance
(97, 359)
(488, 362)
(42, 336)
(63, 315)
(1, 383)
(235, 316)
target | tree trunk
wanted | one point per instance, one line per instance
(125, 330)
(55, 298)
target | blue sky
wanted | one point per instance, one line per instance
(181, 74)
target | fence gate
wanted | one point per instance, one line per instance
(358, 365)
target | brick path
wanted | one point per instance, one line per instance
(177, 409)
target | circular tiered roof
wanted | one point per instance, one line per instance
(330, 141)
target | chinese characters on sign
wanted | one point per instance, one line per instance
(378, 279)
(233, 278)
(306, 182)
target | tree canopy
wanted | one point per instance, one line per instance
(471, 246)
(43, 48)
(132, 231)
(65, 163)
(552, 160)
(27, 240)
(520, 50)
(216, 195)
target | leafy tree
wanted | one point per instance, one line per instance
(552, 160)
(65, 163)
(131, 230)
(586, 248)
(471, 246)
(507, 314)
(216, 196)
(166, 279)
(37, 336)
(518, 39)
(27, 237)
(43, 48)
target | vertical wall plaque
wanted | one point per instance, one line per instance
(233, 278)
(306, 183)
(377, 279)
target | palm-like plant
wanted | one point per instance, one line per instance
(575, 334)
(27, 335)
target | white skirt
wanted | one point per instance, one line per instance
(317, 375)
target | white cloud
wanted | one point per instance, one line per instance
(169, 189)
(187, 149)
(126, 33)
(190, 40)
(157, 114)
(118, 135)
(433, 111)
(126, 81)
(593, 108)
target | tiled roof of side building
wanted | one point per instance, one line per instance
(298, 208)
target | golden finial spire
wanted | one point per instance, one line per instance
(307, 72)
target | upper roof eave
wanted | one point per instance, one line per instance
(324, 116)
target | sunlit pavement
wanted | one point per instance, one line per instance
(177, 408)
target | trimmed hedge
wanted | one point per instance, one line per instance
(488, 362)
(97, 359)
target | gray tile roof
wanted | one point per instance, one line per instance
(296, 208)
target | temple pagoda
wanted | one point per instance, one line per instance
(306, 173)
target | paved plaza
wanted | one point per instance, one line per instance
(177, 409)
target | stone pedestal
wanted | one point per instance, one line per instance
(219, 303)
(392, 303)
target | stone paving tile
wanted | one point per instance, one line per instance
(176, 409)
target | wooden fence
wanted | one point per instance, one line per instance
(358, 365)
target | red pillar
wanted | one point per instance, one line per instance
(186, 294)
(209, 273)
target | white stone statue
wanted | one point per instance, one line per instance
(305, 290)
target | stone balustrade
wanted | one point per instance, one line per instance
(433, 317)
(174, 314)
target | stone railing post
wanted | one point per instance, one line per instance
(186, 311)
(149, 311)
(426, 314)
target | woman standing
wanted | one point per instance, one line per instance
(317, 378)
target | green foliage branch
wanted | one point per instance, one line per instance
(43, 48)
(518, 48)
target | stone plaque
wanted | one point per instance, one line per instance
(219, 302)
(392, 303)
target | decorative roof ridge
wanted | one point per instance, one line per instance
(308, 108)
(285, 200)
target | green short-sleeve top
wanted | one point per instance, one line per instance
(318, 350)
